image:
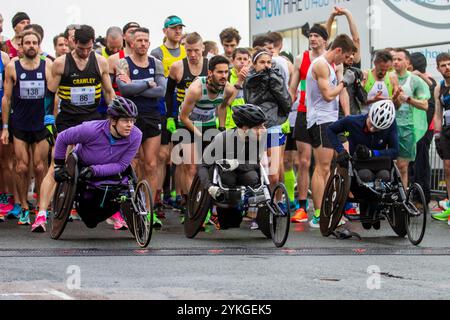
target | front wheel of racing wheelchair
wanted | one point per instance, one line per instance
(273, 214)
(135, 199)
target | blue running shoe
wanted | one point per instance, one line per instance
(15, 212)
(24, 218)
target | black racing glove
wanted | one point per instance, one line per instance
(363, 152)
(86, 173)
(437, 141)
(61, 173)
(343, 158)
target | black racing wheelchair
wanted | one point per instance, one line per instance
(405, 209)
(273, 212)
(134, 199)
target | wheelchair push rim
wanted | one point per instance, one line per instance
(63, 199)
(333, 201)
(280, 215)
(198, 205)
(143, 216)
(416, 210)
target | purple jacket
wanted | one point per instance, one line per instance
(96, 148)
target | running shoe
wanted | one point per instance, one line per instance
(315, 221)
(444, 204)
(5, 208)
(449, 220)
(294, 205)
(118, 222)
(254, 225)
(2, 217)
(74, 216)
(351, 212)
(24, 218)
(39, 225)
(15, 212)
(214, 220)
(157, 224)
(441, 216)
(300, 216)
(160, 212)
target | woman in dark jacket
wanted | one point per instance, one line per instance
(265, 87)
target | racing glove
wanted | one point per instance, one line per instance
(49, 122)
(61, 173)
(171, 126)
(363, 152)
(349, 78)
(286, 127)
(214, 192)
(343, 158)
(87, 173)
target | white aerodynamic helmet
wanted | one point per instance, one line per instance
(382, 114)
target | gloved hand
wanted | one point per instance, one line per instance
(349, 77)
(363, 152)
(343, 158)
(214, 192)
(61, 173)
(49, 122)
(286, 127)
(437, 142)
(86, 173)
(171, 126)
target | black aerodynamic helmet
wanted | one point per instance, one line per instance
(248, 115)
(122, 108)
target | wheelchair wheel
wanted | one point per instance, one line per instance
(198, 205)
(280, 218)
(416, 214)
(263, 221)
(334, 197)
(143, 218)
(63, 199)
(397, 220)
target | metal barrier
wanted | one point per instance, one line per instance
(438, 184)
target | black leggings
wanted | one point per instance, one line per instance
(94, 206)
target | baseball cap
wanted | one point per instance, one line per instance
(173, 21)
(130, 25)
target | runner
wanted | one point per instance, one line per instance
(6, 185)
(318, 37)
(114, 42)
(412, 96)
(442, 124)
(379, 83)
(79, 77)
(211, 49)
(206, 95)
(323, 87)
(40, 31)
(26, 83)
(182, 74)
(19, 21)
(169, 52)
(69, 34)
(60, 45)
(230, 39)
(141, 79)
(3, 38)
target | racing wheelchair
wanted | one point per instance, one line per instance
(273, 212)
(134, 199)
(405, 209)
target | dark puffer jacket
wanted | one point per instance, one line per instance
(268, 90)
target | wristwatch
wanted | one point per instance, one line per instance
(408, 100)
(238, 86)
(5, 126)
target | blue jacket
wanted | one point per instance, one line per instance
(96, 148)
(383, 143)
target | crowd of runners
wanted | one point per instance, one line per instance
(184, 89)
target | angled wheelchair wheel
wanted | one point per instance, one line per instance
(333, 201)
(63, 199)
(143, 217)
(263, 221)
(198, 205)
(281, 215)
(416, 210)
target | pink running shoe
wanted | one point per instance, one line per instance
(5, 207)
(119, 223)
(39, 225)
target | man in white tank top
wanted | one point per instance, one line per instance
(323, 89)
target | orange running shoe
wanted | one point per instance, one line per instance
(300, 216)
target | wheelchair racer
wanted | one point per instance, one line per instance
(372, 135)
(242, 148)
(105, 149)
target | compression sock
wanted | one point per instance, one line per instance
(289, 181)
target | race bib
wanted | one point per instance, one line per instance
(82, 96)
(447, 117)
(32, 90)
(202, 115)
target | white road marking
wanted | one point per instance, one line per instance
(59, 294)
(17, 294)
